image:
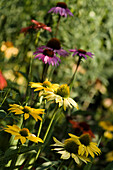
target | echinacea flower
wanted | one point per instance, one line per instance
(61, 96)
(27, 111)
(61, 8)
(37, 26)
(81, 53)
(47, 56)
(81, 128)
(45, 86)
(86, 147)
(69, 149)
(22, 134)
(3, 82)
(55, 44)
(48, 53)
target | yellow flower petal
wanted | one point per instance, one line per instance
(26, 116)
(75, 158)
(23, 139)
(65, 154)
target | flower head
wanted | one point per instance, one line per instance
(48, 53)
(81, 128)
(3, 82)
(55, 44)
(34, 27)
(22, 134)
(61, 96)
(81, 53)
(47, 56)
(43, 87)
(69, 149)
(27, 111)
(86, 147)
(106, 125)
(9, 49)
(109, 156)
(61, 8)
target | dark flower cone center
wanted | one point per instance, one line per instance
(63, 91)
(62, 5)
(54, 43)
(48, 52)
(24, 132)
(84, 125)
(25, 110)
(81, 51)
(71, 146)
(85, 139)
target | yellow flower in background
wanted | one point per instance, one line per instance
(109, 156)
(22, 134)
(86, 147)
(45, 86)
(69, 149)
(61, 96)
(27, 111)
(106, 125)
(9, 50)
(108, 135)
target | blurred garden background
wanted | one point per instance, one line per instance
(91, 29)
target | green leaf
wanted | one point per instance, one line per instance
(47, 165)
(2, 114)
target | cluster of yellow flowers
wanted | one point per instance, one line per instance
(108, 127)
(79, 148)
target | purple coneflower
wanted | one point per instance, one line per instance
(54, 44)
(48, 52)
(47, 56)
(62, 9)
(81, 53)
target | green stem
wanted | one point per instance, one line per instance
(58, 22)
(48, 129)
(69, 167)
(5, 96)
(73, 77)
(44, 73)
(40, 127)
(59, 168)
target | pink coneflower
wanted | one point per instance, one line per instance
(37, 26)
(3, 82)
(81, 53)
(55, 46)
(47, 56)
(62, 9)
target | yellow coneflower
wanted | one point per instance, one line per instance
(86, 147)
(61, 96)
(45, 86)
(69, 149)
(27, 111)
(22, 134)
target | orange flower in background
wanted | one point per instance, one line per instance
(81, 127)
(34, 27)
(3, 82)
(9, 49)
